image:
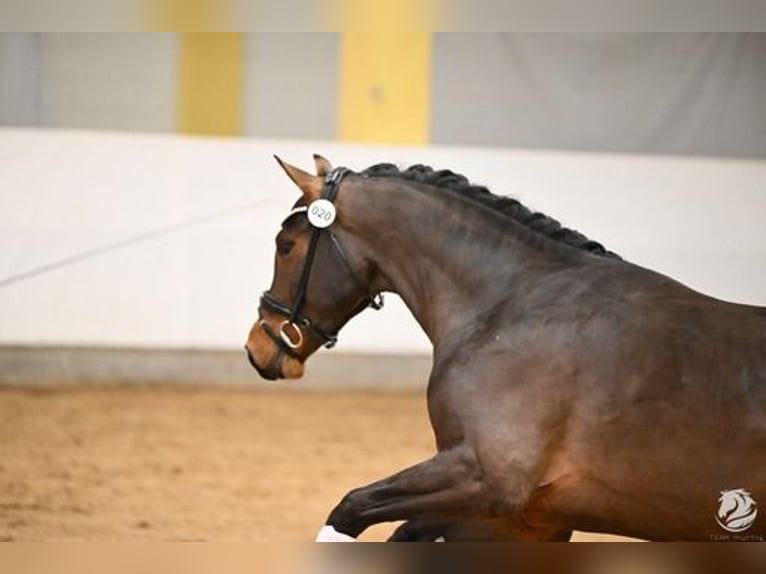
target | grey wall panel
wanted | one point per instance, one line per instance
(647, 93)
(20, 79)
(45, 366)
(109, 81)
(291, 85)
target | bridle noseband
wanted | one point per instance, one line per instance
(286, 342)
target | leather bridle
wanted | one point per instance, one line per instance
(294, 320)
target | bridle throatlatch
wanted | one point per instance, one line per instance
(290, 336)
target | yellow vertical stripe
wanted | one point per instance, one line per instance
(385, 81)
(210, 83)
(183, 15)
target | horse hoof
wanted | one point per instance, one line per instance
(329, 534)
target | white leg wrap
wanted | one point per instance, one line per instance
(329, 534)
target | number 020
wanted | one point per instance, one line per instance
(321, 213)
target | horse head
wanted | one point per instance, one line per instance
(319, 284)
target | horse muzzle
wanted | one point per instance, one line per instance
(268, 357)
(271, 373)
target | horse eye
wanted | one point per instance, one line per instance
(284, 247)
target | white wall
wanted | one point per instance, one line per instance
(700, 221)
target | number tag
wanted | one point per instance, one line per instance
(321, 213)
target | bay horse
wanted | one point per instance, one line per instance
(570, 389)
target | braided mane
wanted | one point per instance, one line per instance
(447, 179)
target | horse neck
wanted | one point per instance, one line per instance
(450, 259)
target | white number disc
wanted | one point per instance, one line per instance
(321, 213)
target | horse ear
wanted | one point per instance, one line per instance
(323, 165)
(310, 185)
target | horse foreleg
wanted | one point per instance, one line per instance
(414, 531)
(447, 487)
(498, 530)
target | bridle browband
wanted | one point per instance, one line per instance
(285, 343)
